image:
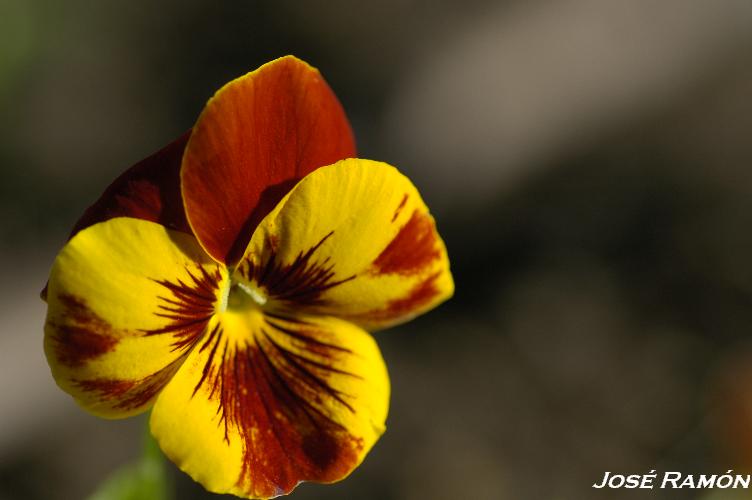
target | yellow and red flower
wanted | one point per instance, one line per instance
(228, 282)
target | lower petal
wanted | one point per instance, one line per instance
(271, 401)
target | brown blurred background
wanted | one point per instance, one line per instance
(589, 163)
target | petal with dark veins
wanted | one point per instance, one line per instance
(270, 401)
(127, 299)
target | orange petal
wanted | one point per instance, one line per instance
(254, 140)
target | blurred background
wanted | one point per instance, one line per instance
(589, 164)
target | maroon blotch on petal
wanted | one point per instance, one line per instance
(414, 247)
(83, 336)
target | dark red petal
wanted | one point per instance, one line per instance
(149, 190)
(255, 139)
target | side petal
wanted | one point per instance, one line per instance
(270, 401)
(254, 140)
(127, 299)
(354, 240)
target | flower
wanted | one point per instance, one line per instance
(228, 283)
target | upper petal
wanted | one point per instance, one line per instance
(355, 240)
(265, 402)
(149, 190)
(127, 299)
(254, 139)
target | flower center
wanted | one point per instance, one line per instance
(239, 297)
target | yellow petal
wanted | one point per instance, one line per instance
(354, 240)
(126, 300)
(266, 401)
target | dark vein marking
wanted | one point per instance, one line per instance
(189, 307)
(294, 360)
(276, 400)
(303, 337)
(131, 394)
(215, 334)
(400, 207)
(301, 282)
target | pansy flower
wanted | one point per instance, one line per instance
(228, 283)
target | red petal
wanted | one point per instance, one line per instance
(255, 139)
